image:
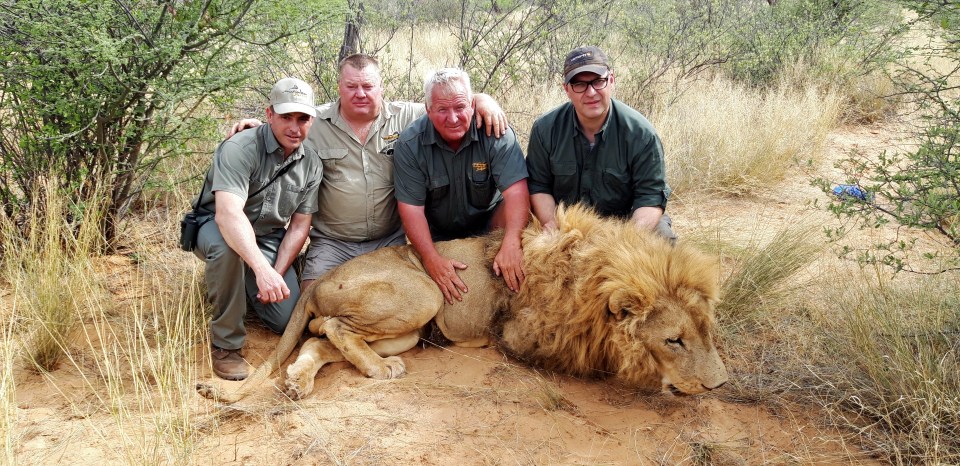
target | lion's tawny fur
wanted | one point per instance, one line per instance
(600, 299)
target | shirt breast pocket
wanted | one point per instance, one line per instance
(482, 188)
(291, 197)
(438, 190)
(617, 196)
(333, 169)
(565, 181)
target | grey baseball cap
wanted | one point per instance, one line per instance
(292, 95)
(583, 60)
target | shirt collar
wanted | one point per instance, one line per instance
(272, 146)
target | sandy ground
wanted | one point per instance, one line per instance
(455, 406)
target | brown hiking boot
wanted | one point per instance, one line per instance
(228, 364)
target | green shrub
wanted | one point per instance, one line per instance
(99, 92)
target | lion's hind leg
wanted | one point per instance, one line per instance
(317, 352)
(356, 350)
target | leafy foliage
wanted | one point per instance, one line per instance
(918, 189)
(99, 92)
(835, 35)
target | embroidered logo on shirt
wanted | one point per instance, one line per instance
(480, 166)
(391, 137)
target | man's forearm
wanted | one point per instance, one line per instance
(516, 199)
(646, 217)
(238, 234)
(418, 230)
(544, 208)
(292, 243)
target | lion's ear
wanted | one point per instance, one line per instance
(622, 304)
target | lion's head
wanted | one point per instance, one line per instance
(603, 299)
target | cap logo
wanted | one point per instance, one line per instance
(296, 94)
(582, 56)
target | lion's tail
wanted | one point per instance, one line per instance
(291, 335)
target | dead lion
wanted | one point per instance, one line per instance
(600, 299)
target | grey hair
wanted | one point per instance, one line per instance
(446, 78)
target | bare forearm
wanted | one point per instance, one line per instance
(516, 201)
(239, 235)
(646, 217)
(545, 209)
(292, 242)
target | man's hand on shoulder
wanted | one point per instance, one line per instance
(243, 124)
(489, 115)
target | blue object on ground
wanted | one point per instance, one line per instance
(848, 191)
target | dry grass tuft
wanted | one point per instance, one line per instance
(722, 136)
(8, 394)
(764, 276)
(51, 272)
(893, 369)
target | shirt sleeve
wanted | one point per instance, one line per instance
(409, 178)
(540, 179)
(507, 163)
(648, 174)
(232, 169)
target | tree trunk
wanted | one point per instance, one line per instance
(351, 33)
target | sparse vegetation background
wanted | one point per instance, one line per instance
(847, 306)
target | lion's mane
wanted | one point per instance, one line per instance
(573, 314)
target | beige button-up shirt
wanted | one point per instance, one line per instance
(356, 200)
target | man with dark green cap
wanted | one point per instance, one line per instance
(598, 151)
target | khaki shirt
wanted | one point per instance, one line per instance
(242, 165)
(356, 201)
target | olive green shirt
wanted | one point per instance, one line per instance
(623, 171)
(246, 162)
(356, 200)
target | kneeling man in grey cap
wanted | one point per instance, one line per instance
(259, 182)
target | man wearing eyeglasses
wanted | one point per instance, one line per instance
(598, 151)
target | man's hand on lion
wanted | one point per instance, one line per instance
(443, 271)
(243, 124)
(509, 264)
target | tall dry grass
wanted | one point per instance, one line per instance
(47, 265)
(722, 136)
(144, 370)
(765, 273)
(136, 359)
(8, 394)
(893, 373)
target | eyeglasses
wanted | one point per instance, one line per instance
(581, 86)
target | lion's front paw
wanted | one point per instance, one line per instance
(208, 391)
(390, 368)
